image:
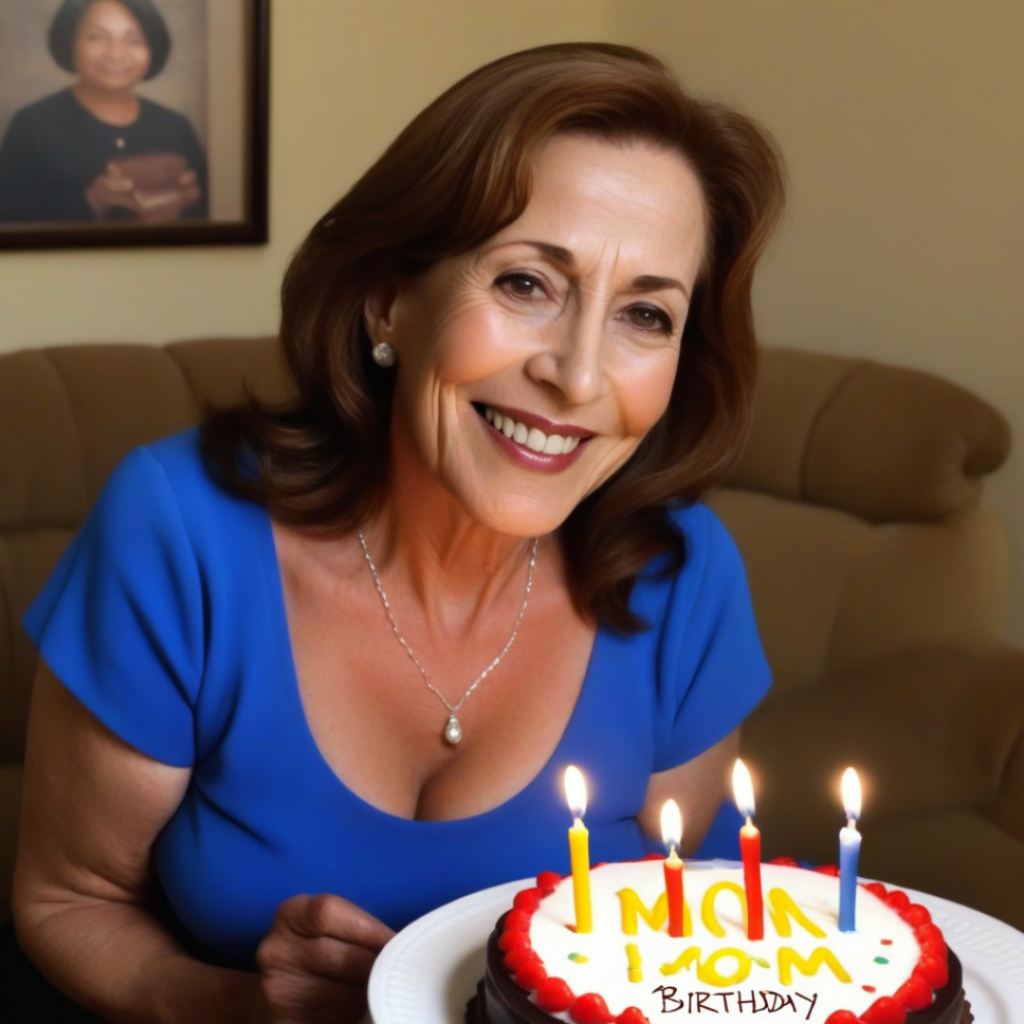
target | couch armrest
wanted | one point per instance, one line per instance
(220, 370)
(885, 443)
(933, 730)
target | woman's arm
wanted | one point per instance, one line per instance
(20, 179)
(92, 808)
(697, 786)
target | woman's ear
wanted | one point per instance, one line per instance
(379, 310)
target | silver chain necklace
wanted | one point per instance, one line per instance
(453, 730)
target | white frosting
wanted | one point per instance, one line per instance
(811, 997)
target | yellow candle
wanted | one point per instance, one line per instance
(579, 848)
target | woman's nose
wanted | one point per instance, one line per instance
(572, 362)
(113, 48)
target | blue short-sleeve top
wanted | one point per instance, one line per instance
(166, 619)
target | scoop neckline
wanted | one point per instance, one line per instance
(99, 120)
(287, 683)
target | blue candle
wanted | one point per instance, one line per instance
(849, 852)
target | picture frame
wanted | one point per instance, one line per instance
(111, 138)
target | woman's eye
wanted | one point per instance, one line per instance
(649, 318)
(522, 286)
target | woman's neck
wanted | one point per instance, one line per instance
(117, 107)
(456, 569)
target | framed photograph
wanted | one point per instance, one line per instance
(133, 122)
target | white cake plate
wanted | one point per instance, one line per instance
(427, 973)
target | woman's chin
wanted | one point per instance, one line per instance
(111, 83)
(513, 518)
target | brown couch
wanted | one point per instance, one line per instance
(878, 582)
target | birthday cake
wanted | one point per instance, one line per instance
(894, 968)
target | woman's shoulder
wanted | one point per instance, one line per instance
(179, 454)
(711, 561)
(56, 106)
(160, 128)
(705, 535)
(157, 114)
(174, 471)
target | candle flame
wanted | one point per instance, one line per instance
(851, 793)
(743, 789)
(575, 791)
(671, 823)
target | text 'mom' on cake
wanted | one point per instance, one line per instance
(894, 969)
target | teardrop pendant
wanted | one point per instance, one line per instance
(453, 731)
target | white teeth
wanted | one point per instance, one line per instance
(534, 439)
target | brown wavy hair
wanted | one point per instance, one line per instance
(459, 173)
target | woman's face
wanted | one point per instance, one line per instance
(111, 51)
(530, 368)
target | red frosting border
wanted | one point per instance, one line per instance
(555, 996)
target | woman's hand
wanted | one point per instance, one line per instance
(189, 190)
(109, 189)
(316, 961)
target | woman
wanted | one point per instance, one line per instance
(97, 150)
(329, 676)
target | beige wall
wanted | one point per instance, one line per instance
(900, 120)
(901, 123)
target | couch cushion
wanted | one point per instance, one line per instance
(960, 855)
(10, 807)
(931, 731)
(896, 445)
(797, 558)
(121, 396)
(832, 592)
(883, 443)
(26, 559)
(942, 582)
(219, 370)
(41, 457)
(792, 390)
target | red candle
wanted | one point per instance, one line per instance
(674, 890)
(671, 834)
(750, 851)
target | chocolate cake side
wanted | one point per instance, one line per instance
(499, 1000)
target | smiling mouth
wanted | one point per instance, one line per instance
(531, 438)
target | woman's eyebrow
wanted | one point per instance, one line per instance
(653, 283)
(556, 252)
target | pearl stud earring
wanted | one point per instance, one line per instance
(384, 354)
